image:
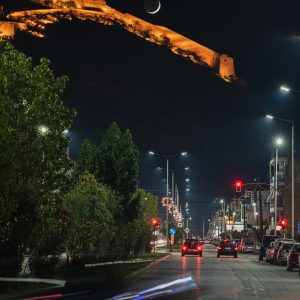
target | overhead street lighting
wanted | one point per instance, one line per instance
(167, 157)
(279, 141)
(187, 180)
(293, 167)
(187, 168)
(43, 129)
(269, 117)
(187, 190)
(285, 88)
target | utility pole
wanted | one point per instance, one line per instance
(261, 227)
(244, 214)
(167, 207)
(203, 228)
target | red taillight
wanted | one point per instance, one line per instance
(219, 248)
(199, 248)
(235, 248)
(184, 248)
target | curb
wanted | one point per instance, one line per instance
(137, 272)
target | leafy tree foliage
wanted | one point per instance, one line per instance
(91, 221)
(32, 120)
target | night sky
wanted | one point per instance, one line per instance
(172, 105)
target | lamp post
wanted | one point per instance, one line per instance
(279, 142)
(167, 157)
(286, 89)
(223, 215)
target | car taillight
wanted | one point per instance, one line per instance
(235, 248)
(184, 247)
(219, 248)
(199, 248)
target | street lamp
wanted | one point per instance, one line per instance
(293, 165)
(184, 153)
(285, 88)
(187, 168)
(187, 180)
(278, 142)
(187, 190)
(43, 129)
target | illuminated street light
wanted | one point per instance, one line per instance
(43, 129)
(222, 201)
(285, 89)
(66, 131)
(269, 117)
(151, 153)
(187, 180)
(183, 153)
(187, 168)
(279, 141)
(187, 190)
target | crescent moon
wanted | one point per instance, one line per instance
(157, 10)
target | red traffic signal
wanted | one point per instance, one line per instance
(283, 222)
(238, 186)
(154, 222)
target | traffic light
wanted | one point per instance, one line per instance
(154, 222)
(238, 186)
(283, 223)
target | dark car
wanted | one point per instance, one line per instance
(226, 247)
(277, 245)
(247, 246)
(283, 252)
(237, 242)
(191, 246)
(292, 259)
(269, 252)
(267, 239)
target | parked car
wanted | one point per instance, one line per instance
(247, 246)
(226, 247)
(292, 257)
(269, 254)
(282, 253)
(267, 239)
(277, 244)
(237, 242)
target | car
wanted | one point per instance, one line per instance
(292, 259)
(277, 244)
(191, 246)
(247, 246)
(269, 254)
(226, 247)
(266, 240)
(237, 242)
(282, 252)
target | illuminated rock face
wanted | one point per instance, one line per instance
(34, 22)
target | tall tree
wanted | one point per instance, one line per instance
(32, 144)
(91, 226)
(87, 160)
(118, 163)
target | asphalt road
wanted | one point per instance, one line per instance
(209, 277)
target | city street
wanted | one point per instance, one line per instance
(216, 278)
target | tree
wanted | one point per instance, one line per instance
(87, 160)
(118, 164)
(91, 221)
(32, 145)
